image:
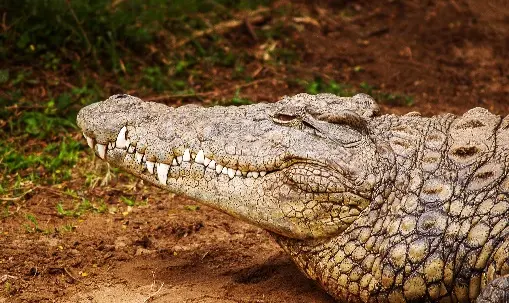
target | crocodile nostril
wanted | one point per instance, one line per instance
(121, 96)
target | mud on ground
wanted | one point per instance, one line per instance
(448, 55)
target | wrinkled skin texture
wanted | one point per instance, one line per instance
(376, 208)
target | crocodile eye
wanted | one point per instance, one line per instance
(284, 118)
(287, 119)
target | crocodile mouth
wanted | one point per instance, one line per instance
(150, 165)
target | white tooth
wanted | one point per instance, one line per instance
(249, 174)
(263, 173)
(255, 174)
(131, 149)
(187, 156)
(110, 145)
(101, 149)
(162, 172)
(122, 139)
(231, 173)
(179, 159)
(174, 162)
(200, 157)
(90, 141)
(139, 157)
(219, 168)
(238, 173)
(150, 167)
(144, 158)
(224, 171)
(212, 164)
(206, 161)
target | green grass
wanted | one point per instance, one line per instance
(49, 165)
(41, 125)
(239, 100)
(80, 208)
(388, 98)
(318, 85)
(160, 79)
(7, 287)
(192, 207)
(128, 201)
(32, 225)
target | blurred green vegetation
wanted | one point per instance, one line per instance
(318, 85)
(57, 32)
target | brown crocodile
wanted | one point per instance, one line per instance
(376, 208)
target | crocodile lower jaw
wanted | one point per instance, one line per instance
(162, 169)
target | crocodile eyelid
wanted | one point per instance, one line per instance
(284, 117)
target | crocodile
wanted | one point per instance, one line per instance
(374, 207)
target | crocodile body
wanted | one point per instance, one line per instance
(376, 208)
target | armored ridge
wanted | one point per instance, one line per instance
(376, 208)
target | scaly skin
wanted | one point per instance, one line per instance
(376, 208)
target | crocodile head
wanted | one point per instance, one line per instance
(291, 167)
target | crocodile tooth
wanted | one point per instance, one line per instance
(139, 157)
(249, 174)
(111, 145)
(219, 168)
(179, 159)
(187, 156)
(122, 139)
(174, 162)
(238, 173)
(263, 173)
(162, 172)
(230, 172)
(150, 167)
(206, 161)
(101, 149)
(90, 141)
(212, 164)
(200, 157)
(145, 158)
(224, 171)
(255, 174)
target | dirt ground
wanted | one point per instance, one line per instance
(449, 55)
